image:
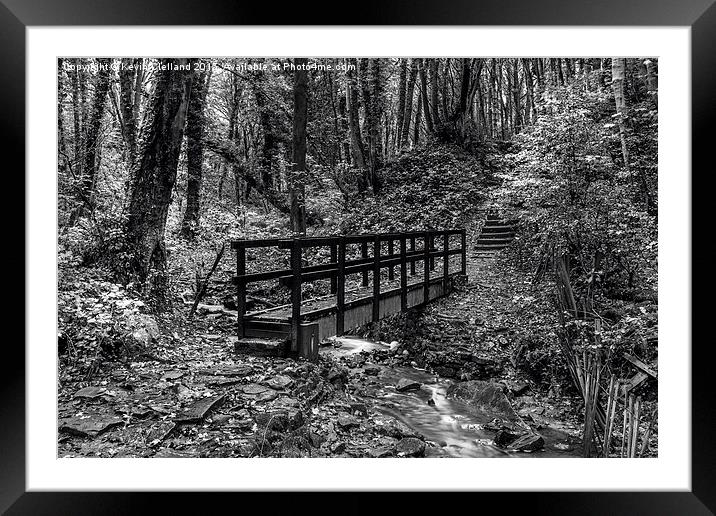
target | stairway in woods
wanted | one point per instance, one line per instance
(496, 234)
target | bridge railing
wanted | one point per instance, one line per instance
(340, 266)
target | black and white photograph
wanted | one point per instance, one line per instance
(357, 257)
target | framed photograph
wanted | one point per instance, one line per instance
(446, 249)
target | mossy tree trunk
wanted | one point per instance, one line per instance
(155, 174)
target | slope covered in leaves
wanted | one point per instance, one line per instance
(435, 187)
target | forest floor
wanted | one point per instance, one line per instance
(448, 384)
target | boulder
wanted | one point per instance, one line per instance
(338, 447)
(395, 429)
(504, 438)
(315, 439)
(410, 447)
(144, 332)
(528, 443)
(346, 422)
(518, 388)
(405, 384)
(279, 382)
(371, 370)
(485, 398)
(379, 453)
(338, 377)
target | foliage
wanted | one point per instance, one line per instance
(95, 316)
(435, 187)
(579, 203)
(577, 199)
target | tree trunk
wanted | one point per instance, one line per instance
(424, 96)
(127, 75)
(156, 170)
(268, 151)
(356, 139)
(77, 117)
(530, 112)
(618, 70)
(464, 87)
(401, 102)
(91, 143)
(418, 120)
(369, 74)
(300, 115)
(405, 133)
(516, 102)
(620, 102)
(345, 140)
(652, 81)
(434, 93)
(195, 122)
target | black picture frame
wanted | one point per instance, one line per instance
(700, 15)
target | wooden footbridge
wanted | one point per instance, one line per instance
(415, 268)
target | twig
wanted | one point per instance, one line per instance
(202, 290)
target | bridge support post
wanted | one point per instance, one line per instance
(376, 278)
(403, 276)
(296, 295)
(426, 267)
(241, 290)
(341, 287)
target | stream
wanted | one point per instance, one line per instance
(457, 429)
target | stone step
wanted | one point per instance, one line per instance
(498, 229)
(500, 243)
(495, 237)
(489, 248)
(490, 245)
(503, 234)
(262, 347)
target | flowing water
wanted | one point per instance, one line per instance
(455, 427)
